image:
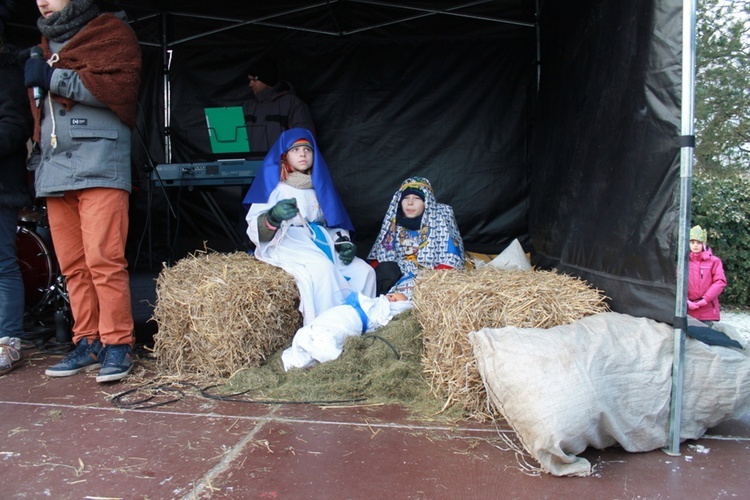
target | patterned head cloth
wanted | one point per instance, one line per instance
(437, 238)
(416, 185)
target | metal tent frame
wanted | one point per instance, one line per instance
(164, 12)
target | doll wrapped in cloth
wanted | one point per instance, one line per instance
(323, 339)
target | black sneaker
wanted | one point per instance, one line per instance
(85, 356)
(117, 363)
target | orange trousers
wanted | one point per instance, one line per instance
(89, 230)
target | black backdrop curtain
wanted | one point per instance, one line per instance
(584, 173)
(605, 153)
(453, 110)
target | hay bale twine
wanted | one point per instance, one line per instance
(218, 313)
(451, 304)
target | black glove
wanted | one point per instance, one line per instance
(345, 248)
(38, 73)
(283, 210)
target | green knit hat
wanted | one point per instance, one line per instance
(699, 234)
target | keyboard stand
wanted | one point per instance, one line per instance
(221, 218)
(201, 176)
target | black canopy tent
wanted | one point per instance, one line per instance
(382, 82)
(554, 122)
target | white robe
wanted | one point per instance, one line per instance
(323, 283)
(323, 339)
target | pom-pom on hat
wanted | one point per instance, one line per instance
(697, 233)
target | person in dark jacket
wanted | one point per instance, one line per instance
(274, 107)
(89, 73)
(15, 131)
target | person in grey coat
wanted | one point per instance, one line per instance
(89, 73)
(15, 131)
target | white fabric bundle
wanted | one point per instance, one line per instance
(323, 338)
(605, 380)
(513, 257)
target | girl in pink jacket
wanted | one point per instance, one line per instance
(706, 279)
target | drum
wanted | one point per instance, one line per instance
(30, 216)
(38, 266)
(35, 219)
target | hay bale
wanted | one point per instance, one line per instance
(449, 305)
(218, 313)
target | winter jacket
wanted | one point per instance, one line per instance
(93, 142)
(272, 112)
(15, 130)
(706, 280)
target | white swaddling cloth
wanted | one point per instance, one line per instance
(323, 338)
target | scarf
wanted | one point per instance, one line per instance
(299, 180)
(63, 25)
(413, 223)
(107, 58)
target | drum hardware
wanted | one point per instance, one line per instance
(51, 317)
(30, 216)
(47, 310)
(56, 298)
(38, 266)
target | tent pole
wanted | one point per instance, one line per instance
(166, 65)
(166, 62)
(687, 143)
(537, 15)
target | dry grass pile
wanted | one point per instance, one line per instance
(449, 305)
(369, 371)
(218, 313)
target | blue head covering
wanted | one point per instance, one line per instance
(269, 175)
